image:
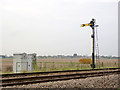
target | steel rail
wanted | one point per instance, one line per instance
(39, 79)
(49, 72)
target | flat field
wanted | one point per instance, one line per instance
(52, 64)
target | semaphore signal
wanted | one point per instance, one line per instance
(92, 25)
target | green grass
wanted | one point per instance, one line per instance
(60, 62)
(6, 73)
(70, 66)
(64, 66)
(60, 66)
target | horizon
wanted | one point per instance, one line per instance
(65, 55)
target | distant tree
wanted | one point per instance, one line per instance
(75, 55)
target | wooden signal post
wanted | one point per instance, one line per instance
(92, 25)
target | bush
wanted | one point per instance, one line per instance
(85, 61)
(9, 69)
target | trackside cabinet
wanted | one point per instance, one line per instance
(32, 62)
(24, 62)
(20, 62)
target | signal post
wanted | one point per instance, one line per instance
(92, 25)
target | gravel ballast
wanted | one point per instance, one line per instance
(110, 81)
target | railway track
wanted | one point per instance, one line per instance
(39, 77)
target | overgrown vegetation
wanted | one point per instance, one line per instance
(60, 64)
(52, 66)
(8, 69)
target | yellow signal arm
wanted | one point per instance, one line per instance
(82, 25)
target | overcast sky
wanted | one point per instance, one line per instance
(52, 27)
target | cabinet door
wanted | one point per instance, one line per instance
(18, 67)
(29, 66)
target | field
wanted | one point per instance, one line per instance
(52, 64)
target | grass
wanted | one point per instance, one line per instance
(68, 66)
(60, 64)
(53, 66)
